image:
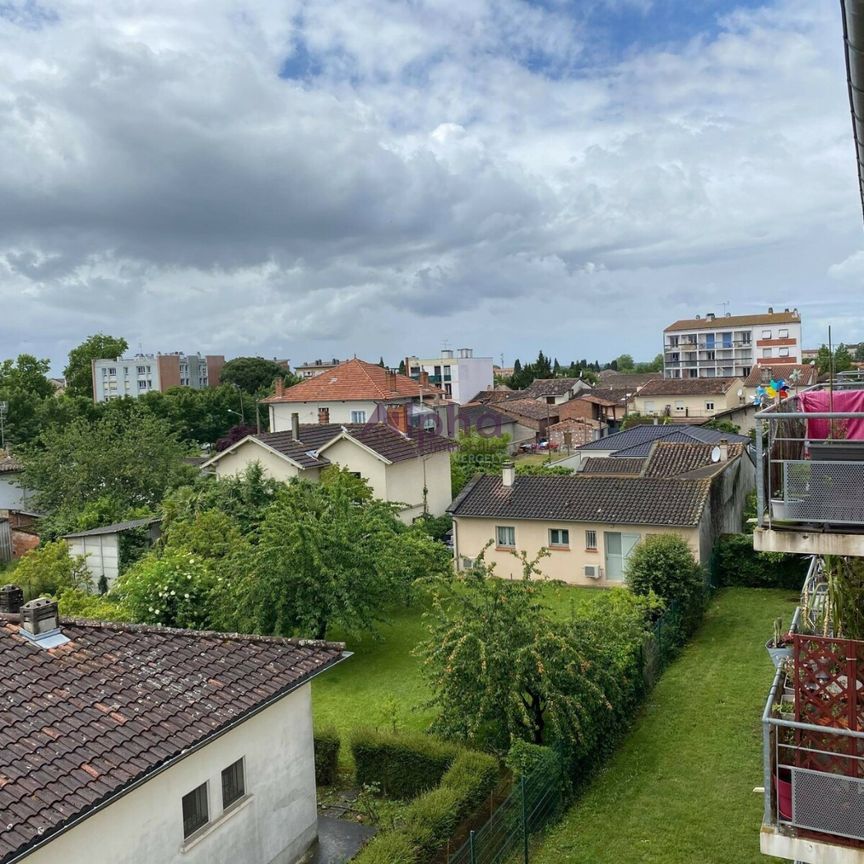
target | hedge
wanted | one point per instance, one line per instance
(403, 764)
(524, 758)
(327, 743)
(432, 819)
(736, 563)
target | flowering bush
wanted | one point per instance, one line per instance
(176, 590)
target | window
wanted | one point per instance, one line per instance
(783, 334)
(550, 400)
(590, 539)
(233, 784)
(709, 406)
(112, 370)
(447, 374)
(141, 370)
(195, 810)
(559, 537)
(766, 352)
(784, 352)
(766, 334)
(142, 385)
(358, 416)
(505, 536)
(649, 406)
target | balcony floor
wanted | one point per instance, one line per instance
(805, 540)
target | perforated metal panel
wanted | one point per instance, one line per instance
(828, 802)
(823, 491)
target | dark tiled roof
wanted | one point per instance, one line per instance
(610, 500)
(601, 465)
(117, 527)
(297, 451)
(529, 408)
(483, 417)
(648, 432)
(674, 458)
(386, 441)
(81, 722)
(540, 387)
(687, 386)
(727, 321)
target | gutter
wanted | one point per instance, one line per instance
(101, 805)
(853, 41)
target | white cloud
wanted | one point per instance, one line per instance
(432, 170)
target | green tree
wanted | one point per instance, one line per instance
(655, 365)
(842, 358)
(79, 371)
(255, 375)
(859, 352)
(623, 363)
(476, 454)
(24, 388)
(535, 470)
(51, 570)
(133, 462)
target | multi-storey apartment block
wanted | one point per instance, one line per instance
(460, 375)
(729, 346)
(132, 376)
(316, 367)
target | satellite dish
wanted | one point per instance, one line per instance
(715, 454)
(740, 392)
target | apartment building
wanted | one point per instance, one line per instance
(316, 367)
(459, 374)
(133, 376)
(729, 346)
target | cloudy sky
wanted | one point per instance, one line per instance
(339, 177)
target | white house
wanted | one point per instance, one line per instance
(133, 745)
(407, 467)
(459, 374)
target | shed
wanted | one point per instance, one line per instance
(101, 546)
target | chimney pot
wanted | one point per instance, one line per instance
(508, 474)
(39, 616)
(11, 599)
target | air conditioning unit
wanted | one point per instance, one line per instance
(593, 571)
(468, 563)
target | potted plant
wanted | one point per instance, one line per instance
(785, 709)
(779, 645)
(789, 679)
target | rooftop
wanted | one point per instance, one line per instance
(646, 434)
(719, 322)
(688, 386)
(541, 387)
(780, 370)
(354, 380)
(528, 408)
(117, 527)
(84, 721)
(610, 500)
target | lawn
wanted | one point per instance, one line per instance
(381, 683)
(680, 788)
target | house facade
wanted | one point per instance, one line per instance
(411, 469)
(556, 391)
(316, 367)
(13, 495)
(150, 744)
(459, 374)
(134, 376)
(687, 397)
(730, 346)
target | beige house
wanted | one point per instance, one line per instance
(409, 469)
(688, 397)
(590, 523)
(148, 744)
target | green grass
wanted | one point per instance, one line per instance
(381, 684)
(680, 788)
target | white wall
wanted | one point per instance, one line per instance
(340, 412)
(274, 825)
(12, 496)
(405, 483)
(470, 376)
(274, 466)
(102, 552)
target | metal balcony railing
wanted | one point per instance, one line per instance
(805, 477)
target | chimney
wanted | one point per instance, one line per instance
(710, 316)
(770, 310)
(11, 599)
(424, 379)
(397, 417)
(508, 474)
(724, 450)
(295, 426)
(279, 388)
(391, 379)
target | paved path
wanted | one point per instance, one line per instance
(339, 840)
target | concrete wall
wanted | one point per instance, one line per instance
(689, 406)
(12, 495)
(102, 553)
(568, 565)
(274, 466)
(273, 824)
(340, 412)
(349, 455)
(405, 481)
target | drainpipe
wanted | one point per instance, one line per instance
(853, 39)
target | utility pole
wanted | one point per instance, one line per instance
(4, 407)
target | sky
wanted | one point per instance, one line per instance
(388, 177)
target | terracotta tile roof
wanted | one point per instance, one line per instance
(354, 380)
(723, 322)
(687, 386)
(627, 381)
(608, 500)
(602, 465)
(499, 394)
(674, 458)
(541, 387)
(596, 398)
(779, 370)
(528, 408)
(81, 722)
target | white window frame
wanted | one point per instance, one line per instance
(564, 538)
(766, 352)
(358, 416)
(590, 535)
(499, 529)
(784, 352)
(766, 334)
(709, 406)
(783, 333)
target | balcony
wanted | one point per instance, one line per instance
(812, 738)
(810, 471)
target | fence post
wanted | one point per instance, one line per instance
(471, 857)
(524, 818)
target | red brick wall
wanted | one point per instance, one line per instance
(169, 371)
(581, 433)
(215, 362)
(23, 542)
(577, 408)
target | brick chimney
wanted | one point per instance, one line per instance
(424, 378)
(279, 388)
(397, 417)
(508, 474)
(11, 599)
